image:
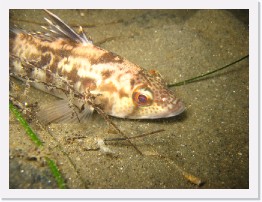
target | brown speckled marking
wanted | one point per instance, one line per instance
(67, 44)
(66, 62)
(107, 73)
(28, 68)
(54, 64)
(132, 83)
(40, 61)
(88, 83)
(107, 57)
(72, 75)
(123, 93)
(104, 103)
(110, 87)
(122, 74)
(26, 37)
(44, 49)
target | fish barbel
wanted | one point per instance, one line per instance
(66, 63)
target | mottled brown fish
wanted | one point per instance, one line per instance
(68, 65)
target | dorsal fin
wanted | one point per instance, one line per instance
(60, 28)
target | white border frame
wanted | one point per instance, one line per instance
(254, 183)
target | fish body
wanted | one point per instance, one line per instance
(68, 65)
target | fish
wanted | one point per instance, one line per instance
(67, 64)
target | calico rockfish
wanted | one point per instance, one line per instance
(67, 64)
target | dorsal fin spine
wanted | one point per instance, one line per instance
(61, 28)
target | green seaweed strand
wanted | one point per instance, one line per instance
(206, 74)
(24, 123)
(54, 169)
(56, 173)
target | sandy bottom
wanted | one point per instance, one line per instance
(209, 140)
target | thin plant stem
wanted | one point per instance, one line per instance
(205, 74)
(33, 136)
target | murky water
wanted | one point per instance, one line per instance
(209, 140)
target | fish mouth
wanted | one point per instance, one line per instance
(178, 108)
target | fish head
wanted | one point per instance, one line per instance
(150, 102)
(148, 98)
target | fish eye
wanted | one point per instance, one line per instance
(142, 96)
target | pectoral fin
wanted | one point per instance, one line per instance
(62, 111)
